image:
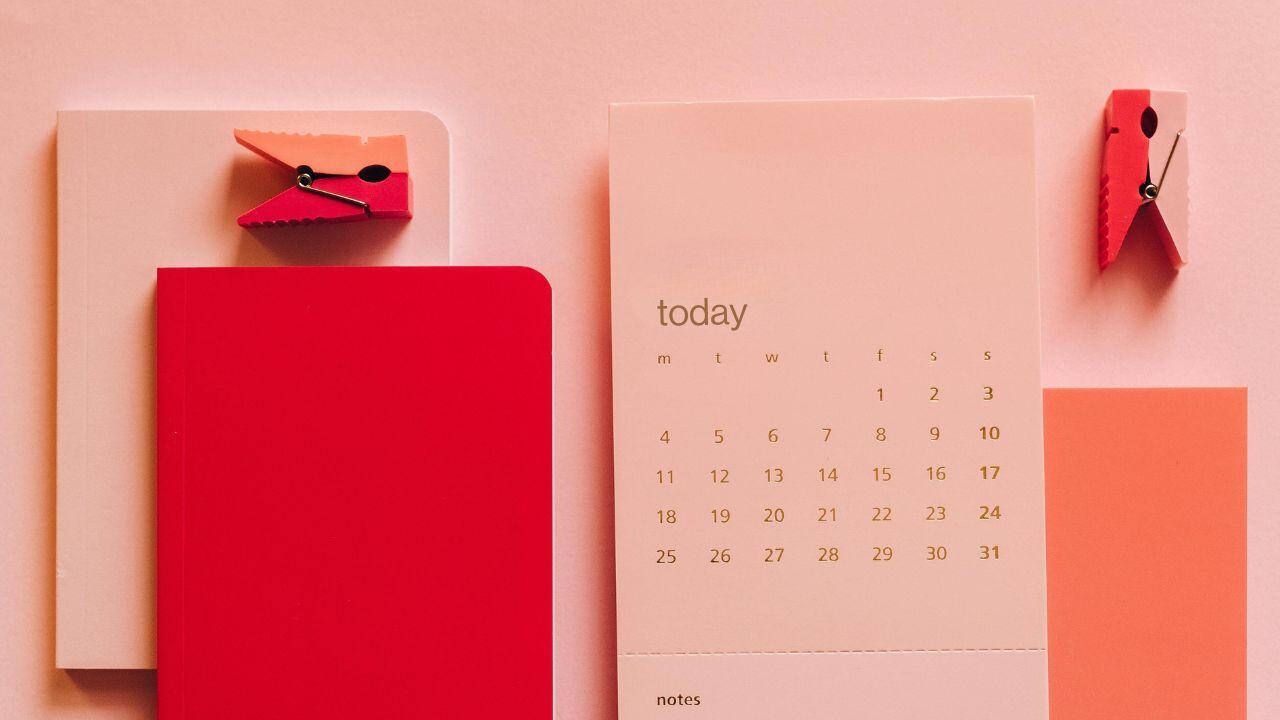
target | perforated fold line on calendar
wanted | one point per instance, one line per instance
(827, 409)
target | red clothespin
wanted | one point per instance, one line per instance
(337, 178)
(1144, 165)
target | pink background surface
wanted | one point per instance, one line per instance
(524, 90)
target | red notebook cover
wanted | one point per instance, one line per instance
(354, 493)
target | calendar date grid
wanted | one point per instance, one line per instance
(848, 493)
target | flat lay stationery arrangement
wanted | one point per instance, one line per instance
(305, 463)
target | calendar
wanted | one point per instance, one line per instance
(827, 410)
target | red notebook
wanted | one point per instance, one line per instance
(354, 493)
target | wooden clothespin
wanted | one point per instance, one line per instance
(1144, 165)
(337, 178)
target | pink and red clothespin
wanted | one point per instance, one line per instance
(1144, 165)
(337, 178)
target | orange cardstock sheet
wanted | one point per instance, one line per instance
(1146, 519)
(827, 410)
(139, 190)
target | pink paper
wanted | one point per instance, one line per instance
(827, 409)
(140, 190)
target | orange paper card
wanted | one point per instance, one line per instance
(1145, 504)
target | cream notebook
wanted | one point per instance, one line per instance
(139, 190)
(827, 431)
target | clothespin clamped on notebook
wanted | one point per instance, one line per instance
(337, 178)
(1144, 165)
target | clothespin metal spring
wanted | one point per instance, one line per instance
(306, 177)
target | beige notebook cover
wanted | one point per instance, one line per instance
(141, 190)
(829, 485)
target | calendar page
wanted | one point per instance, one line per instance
(827, 410)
